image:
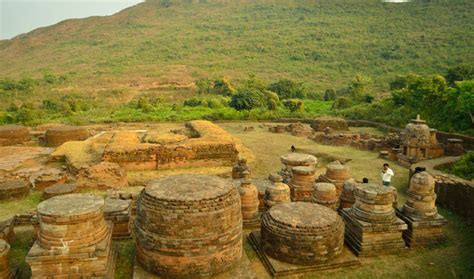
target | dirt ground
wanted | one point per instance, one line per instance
(450, 260)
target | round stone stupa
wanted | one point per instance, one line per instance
(302, 233)
(188, 225)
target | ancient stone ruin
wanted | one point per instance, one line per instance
(418, 143)
(337, 174)
(188, 225)
(302, 233)
(277, 192)
(14, 189)
(325, 194)
(74, 240)
(334, 123)
(239, 169)
(5, 271)
(249, 202)
(371, 225)
(58, 190)
(7, 232)
(301, 183)
(118, 212)
(454, 147)
(425, 225)
(347, 198)
(207, 145)
(58, 135)
(291, 160)
(12, 135)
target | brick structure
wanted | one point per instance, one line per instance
(371, 225)
(337, 174)
(7, 232)
(74, 240)
(418, 143)
(58, 135)
(277, 192)
(14, 189)
(347, 198)
(301, 183)
(425, 225)
(118, 212)
(188, 225)
(291, 160)
(207, 145)
(58, 190)
(5, 271)
(239, 169)
(334, 123)
(105, 175)
(249, 202)
(12, 135)
(302, 233)
(325, 195)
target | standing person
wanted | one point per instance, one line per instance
(387, 174)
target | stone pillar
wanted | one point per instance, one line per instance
(73, 240)
(301, 183)
(5, 271)
(277, 192)
(249, 202)
(118, 212)
(188, 225)
(325, 195)
(420, 212)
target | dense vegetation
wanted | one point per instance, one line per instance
(464, 167)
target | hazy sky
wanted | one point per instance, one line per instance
(21, 16)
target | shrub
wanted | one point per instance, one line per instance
(294, 105)
(465, 166)
(247, 99)
(460, 73)
(288, 89)
(330, 94)
(272, 100)
(223, 87)
(342, 103)
(193, 102)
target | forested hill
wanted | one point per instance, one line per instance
(323, 43)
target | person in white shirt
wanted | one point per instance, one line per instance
(387, 174)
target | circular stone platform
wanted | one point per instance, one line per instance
(188, 225)
(325, 194)
(302, 233)
(373, 203)
(61, 134)
(11, 135)
(58, 190)
(74, 220)
(14, 189)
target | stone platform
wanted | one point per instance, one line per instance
(278, 268)
(371, 239)
(422, 232)
(14, 189)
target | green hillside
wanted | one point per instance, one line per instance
(323, 43)
(148, 63)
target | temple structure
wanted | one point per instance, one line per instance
(325, 195)
(337, 174)
(418, 143)
(291, 160)
(301, 183)
(277, 192)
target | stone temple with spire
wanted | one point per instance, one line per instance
(418, 143)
